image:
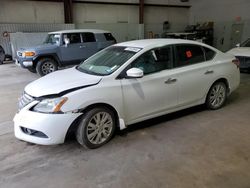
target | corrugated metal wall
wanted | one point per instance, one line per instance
(24, 40)
(28, 28)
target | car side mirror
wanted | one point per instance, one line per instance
(66, 41)
(134, 73)
(238, 45)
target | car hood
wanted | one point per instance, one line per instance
(39, 47)
(240, 51)
(62, 81)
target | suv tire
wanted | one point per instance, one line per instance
(2, 55)
(96, 127)
(45, 66)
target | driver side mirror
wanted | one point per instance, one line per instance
(66, 41)
(134, 73)
(238, 45)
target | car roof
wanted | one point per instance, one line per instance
(151, 43)
(80, 31)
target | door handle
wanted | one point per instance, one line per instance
(82, 46)
(209, 72)
(170, 81)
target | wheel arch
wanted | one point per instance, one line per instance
(52, 56)
(225, 81)
(73, 127)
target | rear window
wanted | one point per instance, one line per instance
(88, 37)
(187, 54)
(109, 37)
(209, 53)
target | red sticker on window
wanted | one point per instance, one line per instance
(189, 54)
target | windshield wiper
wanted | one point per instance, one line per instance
(88, 71)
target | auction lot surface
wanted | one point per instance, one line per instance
(194, 148)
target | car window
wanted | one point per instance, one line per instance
(52, 39)
(73, 38)
(88, 37)
(109, 37)
(154, 60)
(187, 54)
(209, 53)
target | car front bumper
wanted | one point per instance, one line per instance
(53, 126)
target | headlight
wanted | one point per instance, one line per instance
(29, 54)
(50, 105)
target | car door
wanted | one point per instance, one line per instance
(194, 72)
(155, 92)
(89, 46)
(73, 52)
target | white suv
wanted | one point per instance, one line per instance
(121, 85)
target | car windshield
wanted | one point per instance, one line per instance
(52, 39)
(108, 60)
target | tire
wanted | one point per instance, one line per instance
(31, 69)
(216, 96)
(45, 66)
(90, 132)
(2, 55)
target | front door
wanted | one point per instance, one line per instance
(154, 93)
(73, 52)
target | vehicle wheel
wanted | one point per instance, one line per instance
(96, 128)
(31, 69)
(2, 55)
(216, 96)
(45, 66)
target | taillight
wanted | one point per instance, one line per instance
(236, 62)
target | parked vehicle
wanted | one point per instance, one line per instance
(121, 85)
(63, 48)
(242, 52)
(2, 55)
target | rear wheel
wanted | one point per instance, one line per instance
(96, 128)
(45, 66)
(2, 55)
(216, 96)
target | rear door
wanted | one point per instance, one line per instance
(89, 45)
(194, 71)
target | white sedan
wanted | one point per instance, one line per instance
(121, 85)
(242, 53)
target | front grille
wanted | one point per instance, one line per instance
(19, 54)
(24, 100)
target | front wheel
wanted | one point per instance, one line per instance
(96, 128)
(45, 66)
(216, 96)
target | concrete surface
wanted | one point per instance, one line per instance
(194, 148)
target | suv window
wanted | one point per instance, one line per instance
(109, 37)
(88, 37)
(187, 54)
(73, 37)
(154, 60)
(209, 53)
